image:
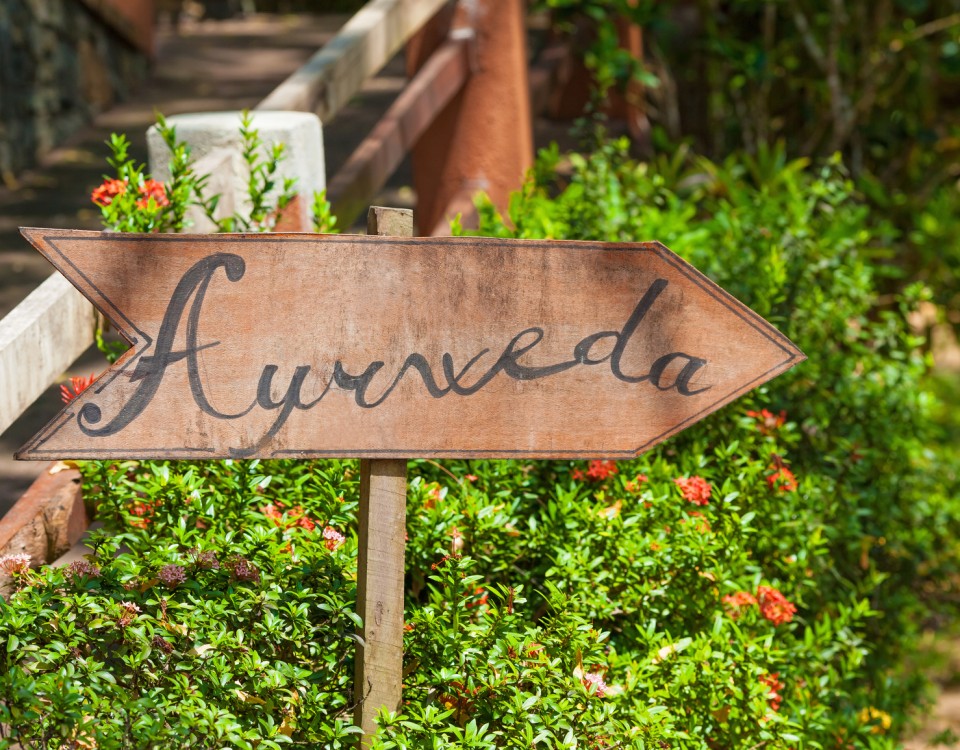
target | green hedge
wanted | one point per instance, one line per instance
(757, 581)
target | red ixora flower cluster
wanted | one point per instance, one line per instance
(155, 190)
(296, 516)
(150, 189)
(782, 479)
(77, 386)
(596, 471)
(695, 489)
(479, 598)
(739, 602)
(110, 189)
(774, 605)
(776, 686)
(767, 421)
(143, 510)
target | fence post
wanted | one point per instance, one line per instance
(484, 139)
(216, 146)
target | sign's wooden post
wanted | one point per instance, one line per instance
(382, 528)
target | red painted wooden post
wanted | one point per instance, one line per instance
(484, 138)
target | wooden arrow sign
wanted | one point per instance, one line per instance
(307, 345)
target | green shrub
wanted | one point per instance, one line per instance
(757, 581)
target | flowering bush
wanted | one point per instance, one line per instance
(755, 582)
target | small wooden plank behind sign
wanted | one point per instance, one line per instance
(308, 346)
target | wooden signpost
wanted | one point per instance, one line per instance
(388, 348)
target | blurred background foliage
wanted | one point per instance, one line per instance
(876, 81)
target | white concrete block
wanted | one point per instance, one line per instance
(216, 145)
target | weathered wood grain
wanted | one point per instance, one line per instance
(382, 524)
(385, 347)
(362, 47)
(39, 339)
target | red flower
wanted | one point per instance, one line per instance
(600, 470)
(776, 687)
(110, 189)
(596, 471)
(695, 489)
(738, 602)
(153, 189)
(774, 605)
(768, 421)
(143, 511)
(334, 538)
(479, 598)
(305, 522)
(782, 479)
(272, 512)
(434, 495)
(77, 386)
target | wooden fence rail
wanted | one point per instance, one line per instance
(362, 47)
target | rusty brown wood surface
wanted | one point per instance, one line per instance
(381, 347)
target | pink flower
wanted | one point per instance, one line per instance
(172, 575)
(594, 680)
(333, 538)
(695, 489)
(243, 570)
(19, 563)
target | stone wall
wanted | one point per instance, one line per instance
(60, 64)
